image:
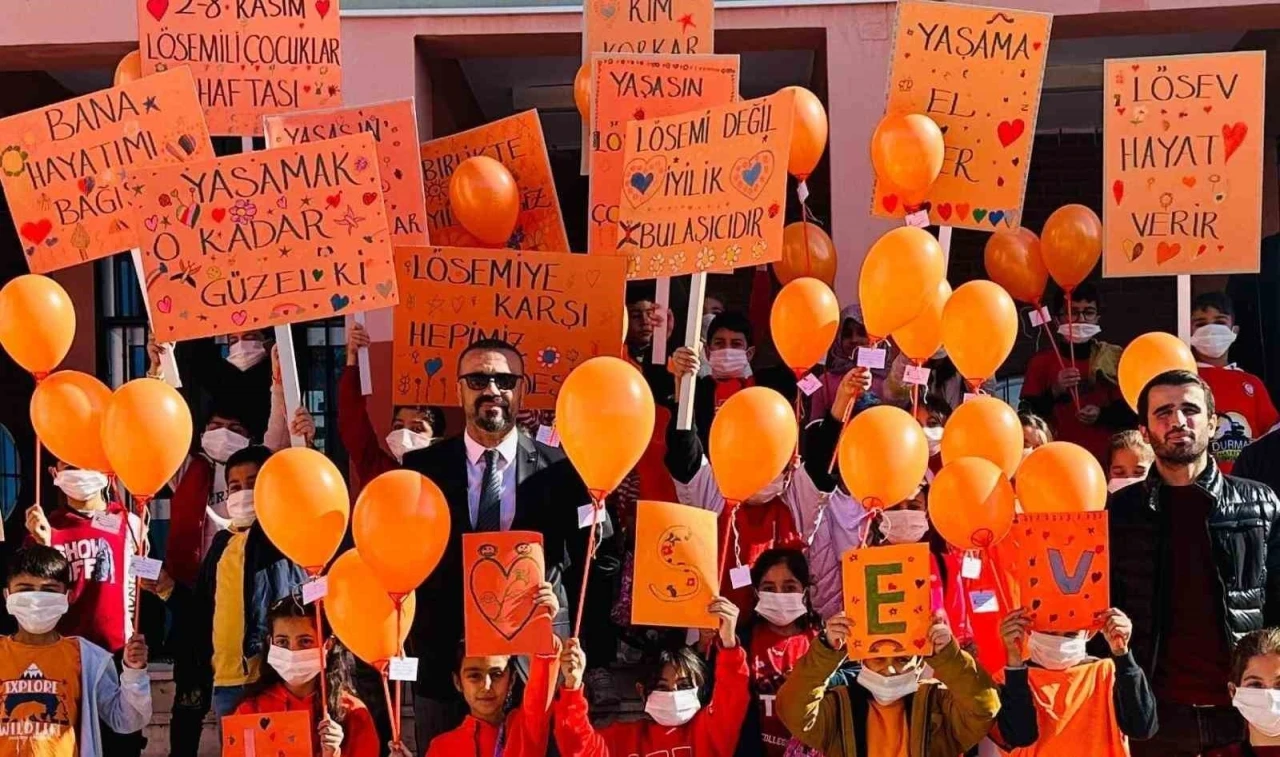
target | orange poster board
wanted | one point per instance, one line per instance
(394, 127)
(1062, 568)
(66, 168)
(705, 190)
(653, 27)
(886, 598)
(267, 734)
(635, 87)
(517, 143)
(675, 573)
(977, 72)
(250, 58)
(1182, 164)
(558, 309)
(264, 238)
(501, 574)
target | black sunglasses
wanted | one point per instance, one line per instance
(479, 381)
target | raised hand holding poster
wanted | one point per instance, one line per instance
(264, 238)
(250, 58)
(270, 734)
(886, 598)
(635, 87)
(675, 566)
(394, 127)
(705, 190)
(558, 309)
(67, 169)
(1182, 164)
(1062, 568)
(977, 72)
(501, 573)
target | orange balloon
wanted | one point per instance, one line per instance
(129, 68)
(971, 503)
(752, 439)
(485, 199)
(146, 433)
(922, 336)
(979, 327)
(907, 152)
(303, 506)
(37, 322)
(814, 257)
(1071, 243)
(900, 271)
(364, 618)
(883, 456)
(1013, 260)
(66, 412)
(808, 133)
(1061, 477)
(582, 90)
(1148, 356)
(396, 503)
(804, 321)
(604, 416)
(984, 427)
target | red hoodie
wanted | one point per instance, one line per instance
(184, 549)
(713, 732)
(525, 732)
(368, 458)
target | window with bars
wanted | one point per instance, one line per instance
(123, 327)
(322, 356)
(10, 473)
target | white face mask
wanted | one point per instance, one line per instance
(240, 508)
(904, 526)
(889, 689)
(403, 441)
(295, 668)
(37, 611)
(673, 708)
(1057, 652)
(221, 443)
(1213, 339)
(934, 436)
(770, 492)
(246, 353)
(728, 363)
(1116, 484)
(1261, 707)
(780, 608)
(80, 485)
(1079, 333)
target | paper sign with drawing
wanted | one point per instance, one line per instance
(278, 734)
(652, 27)
(675, 566)
(886, 598)
(1062, 568)
(264, 238)
(501, 575)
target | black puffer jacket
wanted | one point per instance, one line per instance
(1245, 539)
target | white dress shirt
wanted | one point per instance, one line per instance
(508, 448)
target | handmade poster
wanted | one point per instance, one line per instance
(886, 598)
(1182, 164)
(636, 87)
(264, 238)
(394, 127)
(675, 566)
(502, 572)
(67, 168)
(517, 143)
(250, 58)
(1062, 569)
(705, 190)
(977, 72)
(558, 309)
(271, 734)
(654, 27)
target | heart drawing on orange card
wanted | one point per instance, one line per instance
(1166, 252)
(751, 175)
(642, 178)
(504, 593)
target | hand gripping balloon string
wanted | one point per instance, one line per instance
(597, 501)
(1071, 347)
(733, 506)
(873, 341)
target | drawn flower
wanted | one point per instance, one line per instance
(362, 163)
(13, 159)
(437, 190)
(548, 357)
(655, 264)
(706, 258)
(677, 261)
(633, 266)
(758, 249)
(243, 211)
(731, 255)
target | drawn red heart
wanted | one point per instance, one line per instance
(35, 232)
(890, 202)
(773, 210)
(1166, 252)
(157, 8)
(504, 594)
(85, 184)
(1189, 181)
(1121, 110)
(1201, 250)
(919, 643)
(369, 198)
(334, 201)
(944, 210)
(218, 214)
(1134, 66)
(1232, 136)
(999, 181)
(1117, 190)
(962, 210)
(1009, 131)
(1208, 109)
(239, 317)
(164, 304)
(322, 7)
(1036, 45)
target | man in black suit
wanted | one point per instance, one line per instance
(495, 479)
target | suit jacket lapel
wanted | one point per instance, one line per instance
(456, 493)
(528, 462)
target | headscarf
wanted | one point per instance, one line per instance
(837, 363)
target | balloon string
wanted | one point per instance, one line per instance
(804, 230)
(915, 392)
(733, 505)
(386, 692)
(139, 549)
(1071, 347)
(324, 694)
(874, 514)
(1002, 590)
(37, 458)
(597, 501)
(844, 422)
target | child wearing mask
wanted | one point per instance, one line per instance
(932, 413)
(842, 358)
(1131, 458)
(58, 689)
(678, 721)
(1255, 692)
(1066, 702)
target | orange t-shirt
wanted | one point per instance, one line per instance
(887, 731)
(39, 715)
(1075, 711)
(1245, 411)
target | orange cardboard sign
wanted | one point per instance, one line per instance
(675, 566)
(517, 143)
(1182, 165)
(635, 87)
(501, 574)
(977, 72)
(394, 127)
(67, 168)
(250, 58)
(655, 27)
(558, 309)
(278, 734)
(1062, 567)
(886, 598)
(705, 190)
(264, 238)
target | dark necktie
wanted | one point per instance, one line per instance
(489, 513)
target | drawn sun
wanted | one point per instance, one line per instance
(13, 160)
(548, 357)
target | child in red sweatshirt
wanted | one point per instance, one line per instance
(679, 724)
